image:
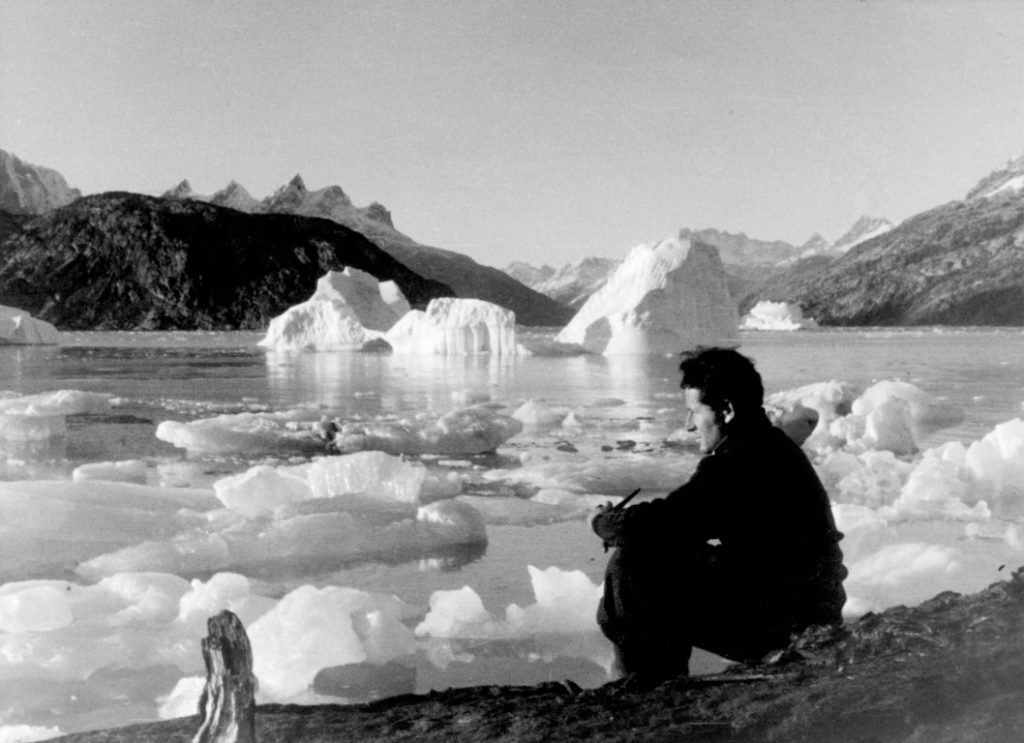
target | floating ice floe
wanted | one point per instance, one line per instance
(54, 525)
(44, 415)
(336, 510)
(768, 315)
(18, 327)
(471, 430)
(347, 309)
(254, 434)
(663, 298)
(453, 327)
(129, 470)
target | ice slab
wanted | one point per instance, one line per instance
(254, 434)
(129, 470)
(663, 298)
(471, 430)
(44, 416)
(52, 525)
(321, 531)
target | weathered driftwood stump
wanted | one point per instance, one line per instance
(227, 705)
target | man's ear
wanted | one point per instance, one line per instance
(728, 412)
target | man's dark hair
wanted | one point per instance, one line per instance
(723, 375)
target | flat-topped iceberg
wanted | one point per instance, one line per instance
(454, 327)
(18, 327)
(347, 309)
(768, 315)
(663, 298)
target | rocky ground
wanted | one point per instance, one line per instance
(950, 670)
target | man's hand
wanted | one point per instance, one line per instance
(608, 524)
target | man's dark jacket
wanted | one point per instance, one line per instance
(776, 565)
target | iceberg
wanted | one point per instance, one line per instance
(18, 327)
(663, 298)
(454, 327)
(767, 315)
(347, 309)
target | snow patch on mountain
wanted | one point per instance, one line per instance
(1007, 182)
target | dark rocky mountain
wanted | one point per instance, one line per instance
(957, 264)
(121, 261)
(31, 189)
(464, 275)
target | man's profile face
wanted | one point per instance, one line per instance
(701, 419)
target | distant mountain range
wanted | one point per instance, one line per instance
(465, 276)
(959, 263)
(31, 190)
(747, 261)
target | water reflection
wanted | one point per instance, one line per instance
(353, 383)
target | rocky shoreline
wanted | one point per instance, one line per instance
(948, 671)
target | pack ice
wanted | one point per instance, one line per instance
(347, 309)
(18, 327)
(663, 298)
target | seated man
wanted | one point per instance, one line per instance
(736, 559)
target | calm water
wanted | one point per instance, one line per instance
(183, 376)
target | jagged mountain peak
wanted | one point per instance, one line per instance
(235, 196)
(1006, 182)
(31, 189)
(815, 244)
(863, 229)
(182, 191)
(378, 213)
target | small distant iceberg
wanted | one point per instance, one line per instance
(663, 298)
(767, 315)
(348, 309)
(19, 328)
(455, 327)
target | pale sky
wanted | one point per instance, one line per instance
(540, 131)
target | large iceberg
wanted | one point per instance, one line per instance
(18, 327)
(347, 309)
(452, 326)
(768, 315)
(663, 298)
